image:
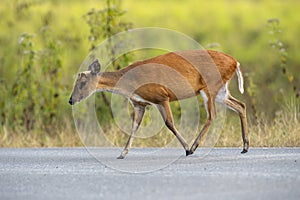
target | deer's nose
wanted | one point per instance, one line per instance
(70, 101)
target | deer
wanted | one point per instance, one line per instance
(172, 76)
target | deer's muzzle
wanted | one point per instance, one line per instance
(71, 101)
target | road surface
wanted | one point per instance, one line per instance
(220, 173)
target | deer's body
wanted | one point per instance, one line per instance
(170, 77)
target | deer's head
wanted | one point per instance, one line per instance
(86, 83)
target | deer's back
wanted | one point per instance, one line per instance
(179, 75)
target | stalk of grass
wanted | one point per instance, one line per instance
(59, 137)
(282, 131)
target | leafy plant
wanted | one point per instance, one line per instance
(36, 89)
(251, 90)
(278, 44)
(103, 24)
(51, 64)
(24, 87)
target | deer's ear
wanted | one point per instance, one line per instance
(95, 67)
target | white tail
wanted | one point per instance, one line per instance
(240, 77)
(169, 77)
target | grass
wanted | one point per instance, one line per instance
(282, 131)
(67, 137)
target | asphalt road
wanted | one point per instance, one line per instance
(60, 173)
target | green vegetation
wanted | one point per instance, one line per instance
(43, 43)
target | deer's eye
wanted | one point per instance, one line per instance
(82, 84)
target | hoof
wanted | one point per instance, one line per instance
(244, 151)
(121, 157)
(188, 152)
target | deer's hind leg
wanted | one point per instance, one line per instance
(166, 113)
(225, 97)
(209, 102)
(240, 108)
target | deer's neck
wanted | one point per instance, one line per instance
(108, 81)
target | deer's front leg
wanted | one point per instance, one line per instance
(139, 111)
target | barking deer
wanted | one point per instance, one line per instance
(169, 77)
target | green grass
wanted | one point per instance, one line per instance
(239, 27)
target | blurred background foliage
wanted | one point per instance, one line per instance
(43, 43)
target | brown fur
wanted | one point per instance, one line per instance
(189, 70)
